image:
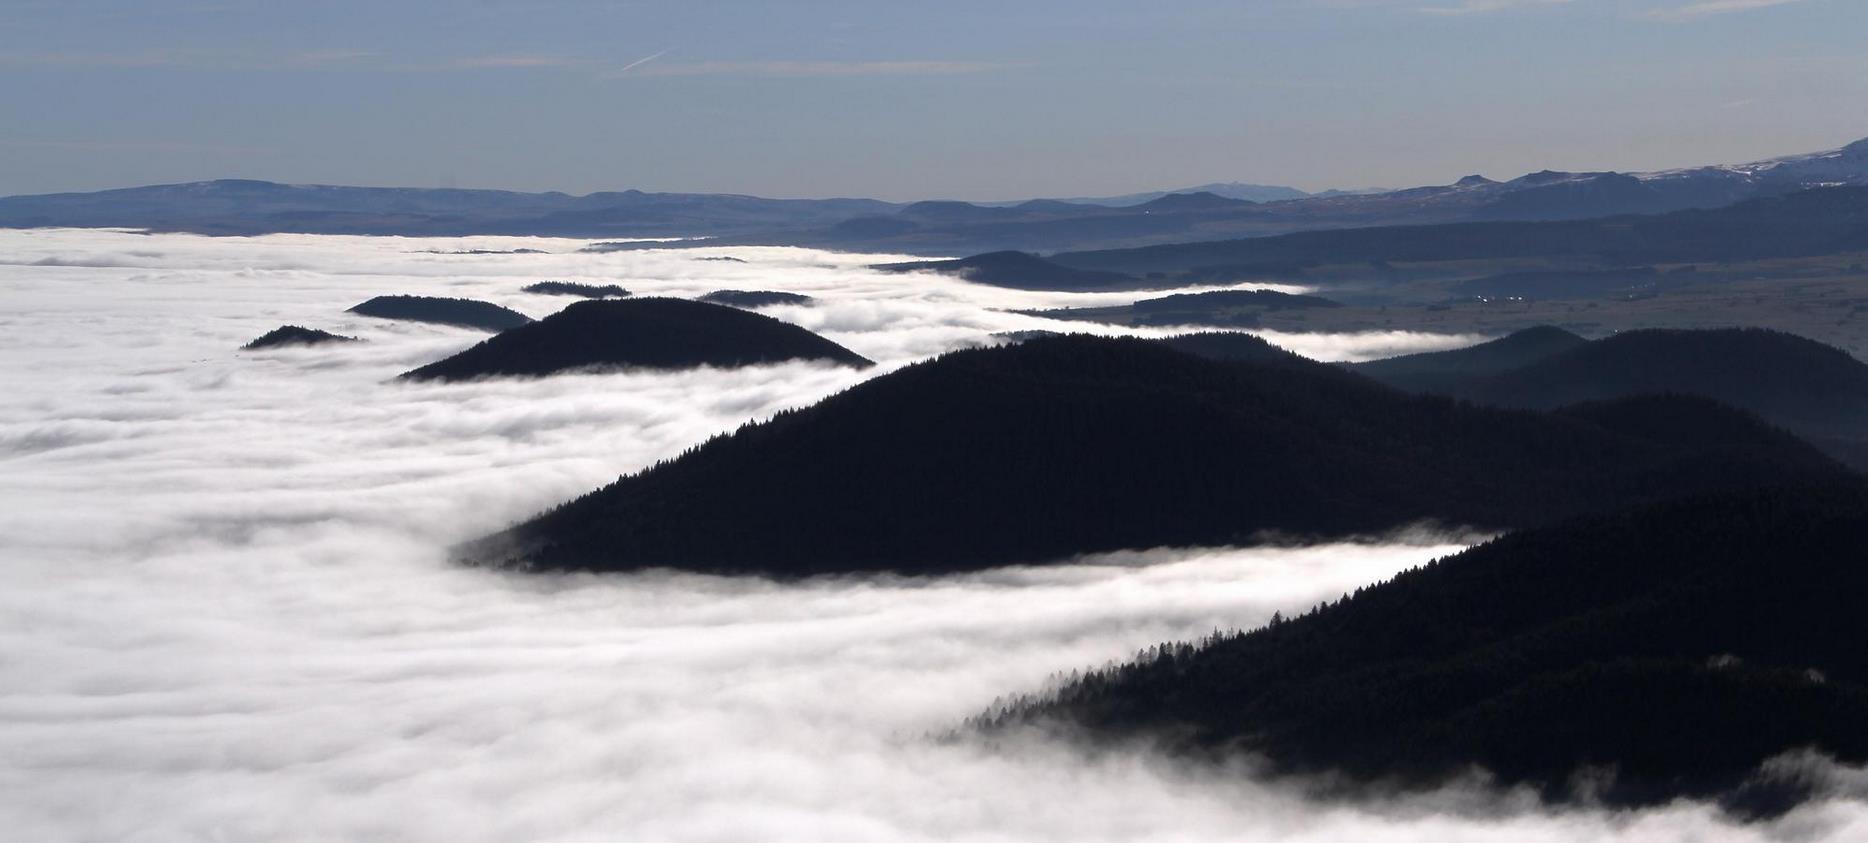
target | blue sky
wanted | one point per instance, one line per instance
(963, 99)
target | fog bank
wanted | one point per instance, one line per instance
(225, 612)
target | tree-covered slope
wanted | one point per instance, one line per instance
(290, 335)
(466, 313)
(574, 288)
(1020, 271)
(654, 333)
(1678, 645)
(1443, 370)
(1067, 445)
(1814, 390)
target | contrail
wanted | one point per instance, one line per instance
(637, 63)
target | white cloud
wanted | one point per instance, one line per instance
(1715, 7)
(1470, 7)
(224, 612)
(798, 69)
(1452, 7)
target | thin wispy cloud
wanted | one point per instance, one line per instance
(137, 146)
(637, 63)
(822, 68)
(514, 61)
(1448, 7)
(1472, 7)
(1715, 7)
(364, 61)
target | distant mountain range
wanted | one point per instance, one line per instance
(1210, 212)
(1810, 222)
(239, 206)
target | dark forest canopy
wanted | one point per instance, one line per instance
(289, 335)
(1814, 390)
(1679, 645)
(655, 333)
(1265, 299)
(1236, 346)
(1441, 370)
(754, 298)
(574, 288)
(1065, 445)
(1218, 308)
(465, 313)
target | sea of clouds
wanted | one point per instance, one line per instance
(225, 612)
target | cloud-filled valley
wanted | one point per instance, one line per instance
(226, 610)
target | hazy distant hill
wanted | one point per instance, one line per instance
(1109, 444)
(1191, 216)
(1207, 212)
(1230, 190)
(1671, 648)
(241, 206)
(652, 333)
(1813, 222)
(289, 335)
(466, 313)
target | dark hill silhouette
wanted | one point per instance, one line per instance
(1814, 390)
(1681, 644)
(939, 210)
(754, 298)
(1064, 445)
(465, 313)
(1217, 308)
(1264, 299)
(1019, 270)
(1197, 201)
(286, 335)
(1233, 346)
(1436, 371)
(655, 333)
(573, 288)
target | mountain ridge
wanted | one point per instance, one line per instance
(1111, 444)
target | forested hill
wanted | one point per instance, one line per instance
(1019, 270)
(465, 313)
(1066, 445)
(1434, 371)
(1812, 389)
(290, 335)
(655, 333)
(1679, 645)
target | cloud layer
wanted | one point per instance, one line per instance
(224, 612)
